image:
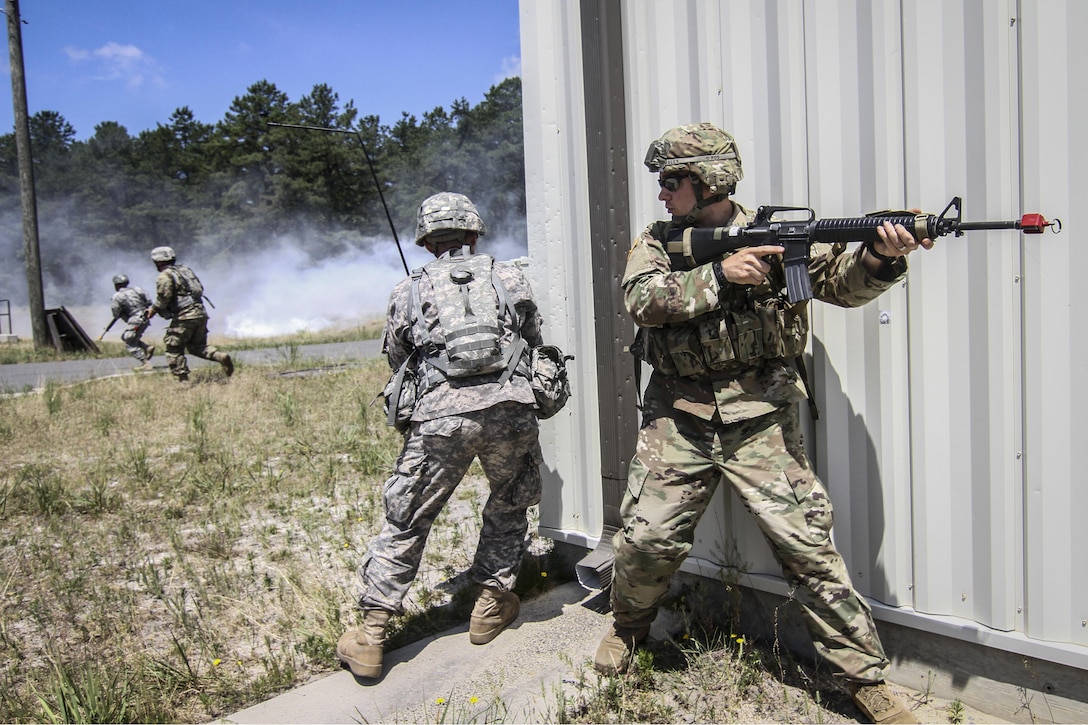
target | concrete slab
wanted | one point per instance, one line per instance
(518, 675)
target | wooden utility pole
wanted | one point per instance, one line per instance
(35, 297)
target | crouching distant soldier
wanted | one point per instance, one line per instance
(179, 297)
(131, 305)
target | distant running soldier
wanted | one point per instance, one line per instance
(130, 304)
(179, 297)
(458, 332)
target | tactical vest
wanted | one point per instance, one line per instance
(750, 325)
(188, 291)
(471, 304)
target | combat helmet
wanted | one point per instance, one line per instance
(163, 254)
(706, 152)
(449, 212)
(120, 280)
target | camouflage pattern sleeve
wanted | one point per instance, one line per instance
(115, 306)
(520, 295)
(397, 335)
(164, 293)
(655, 295)
(839, 278)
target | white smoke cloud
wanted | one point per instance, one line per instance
(278, 290)
(282, 291)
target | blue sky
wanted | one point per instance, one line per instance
(136, 61)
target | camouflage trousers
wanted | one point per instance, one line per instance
(436, 455)
(677, 465)
(186, 336)
(131, 336)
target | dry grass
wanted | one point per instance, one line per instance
(175, 554)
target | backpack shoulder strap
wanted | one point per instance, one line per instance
(518, 347)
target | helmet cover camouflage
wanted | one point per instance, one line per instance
(120, 280)
(702, 149)
(447, 211)
(163, 254)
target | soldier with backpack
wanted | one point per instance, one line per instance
(179, 297)
(458, 336)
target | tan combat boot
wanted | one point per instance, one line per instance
(615, 651)
(878, 703)
(361, 649)
(494, 610)
(224, 359)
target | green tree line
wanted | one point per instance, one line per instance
(225, 189)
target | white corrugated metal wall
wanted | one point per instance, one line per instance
(950, 405)
(1054, 347)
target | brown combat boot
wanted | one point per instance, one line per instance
(494, 610)
(878, 703)
(616, 649)
(361, 649)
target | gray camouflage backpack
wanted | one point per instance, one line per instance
(471, 303)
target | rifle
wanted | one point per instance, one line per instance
(114, 320)
(797, 228)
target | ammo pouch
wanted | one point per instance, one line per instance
(726, 342)
(401, 393)
(548, 378)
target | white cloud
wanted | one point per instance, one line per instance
(511, 68)
(114, 61)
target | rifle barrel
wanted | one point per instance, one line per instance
(980, 226)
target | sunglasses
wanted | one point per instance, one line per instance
(671, 183)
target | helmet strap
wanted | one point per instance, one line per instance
(701, 202)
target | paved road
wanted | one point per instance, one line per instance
(26, 376)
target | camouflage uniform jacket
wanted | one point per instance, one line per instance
(175, 296)
(130, 304)
(454, 396)
(748, 333)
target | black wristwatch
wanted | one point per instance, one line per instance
(719, 274)
(871, 247)
(890, 267)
